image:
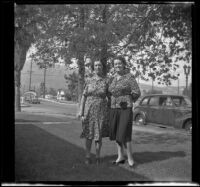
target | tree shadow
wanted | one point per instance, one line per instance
(41, 156)
(164, 138)
(148, 156)
(40, 118)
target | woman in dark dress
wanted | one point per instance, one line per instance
(94, 111)
(124, 91)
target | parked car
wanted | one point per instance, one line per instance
(35, 101)
(168, 110)
(31, 97)
(137, 102)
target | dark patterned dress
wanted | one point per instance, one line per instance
(95, 125)
(124, 92)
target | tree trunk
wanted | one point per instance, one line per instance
(81, 78)
(44, 88)
(104, 59)
(20, 58)
(17, 90)
(81, 65)
(104, 48)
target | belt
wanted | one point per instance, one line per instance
(97, 97)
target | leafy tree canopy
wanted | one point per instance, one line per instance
(154, 38)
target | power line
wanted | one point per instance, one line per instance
(30, 76)
(45, 69)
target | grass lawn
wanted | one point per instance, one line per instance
(54, 152)
(40, 156)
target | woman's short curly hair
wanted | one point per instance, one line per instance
(122, 59)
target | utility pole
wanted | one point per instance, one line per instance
(152, 85)
(24, 89)
(187, 72)
(45, 68)
(152, 82)
(30, 76)
(178, 86)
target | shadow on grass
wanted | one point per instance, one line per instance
(164, 138)
(147, 156)
(40, 156)
(29, 117)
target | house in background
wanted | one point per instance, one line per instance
(61, 95)
(49, 96)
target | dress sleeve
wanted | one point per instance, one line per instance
(108, 94)
(108, 82)
(135, 90)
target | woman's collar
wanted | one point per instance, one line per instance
(97, 77)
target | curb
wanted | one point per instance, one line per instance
(42, 123)
(25, 105)
(42, 99)
(51, 114)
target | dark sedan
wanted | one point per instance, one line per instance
(167, 110)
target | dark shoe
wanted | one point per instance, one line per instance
(97, 161)
(87, 161)
(132, 166)
(119, 162)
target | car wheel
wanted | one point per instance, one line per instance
(188, 125)
(140, 119)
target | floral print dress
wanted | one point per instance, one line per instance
(124, 91)
(95, 125)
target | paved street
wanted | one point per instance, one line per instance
(53, 107)
(48, 148)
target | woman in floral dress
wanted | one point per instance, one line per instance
(94, 112)
(124, 91)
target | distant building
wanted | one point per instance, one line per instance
(48, 96)
(60, 94)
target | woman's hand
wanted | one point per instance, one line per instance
(79, 115)
(82, 118)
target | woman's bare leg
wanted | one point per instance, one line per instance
(120, 151)
(129, 153)
(98, 145)
(88, 145)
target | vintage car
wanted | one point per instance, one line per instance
(167, 110)
(31, 97)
